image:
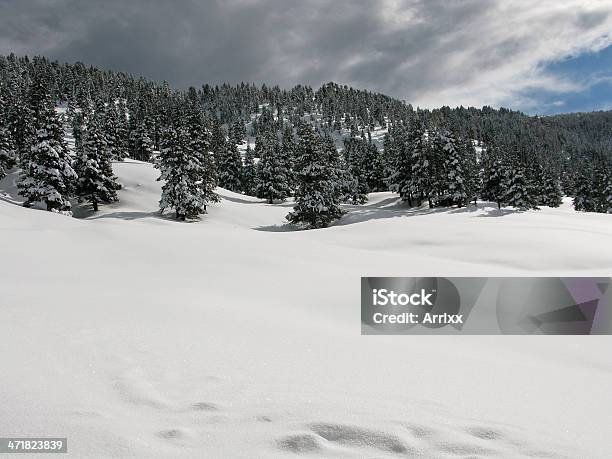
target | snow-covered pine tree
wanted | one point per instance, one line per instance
(218, 141)
(454, 184)
(112, 133)
(19, 119)
(593, 186)
(317, 196)
(288, 154)
(109, 128)
(493, 176)
(97, 182)
(376, 172)
(39, 98)
(607, 197)
(76, 120)
(421, 177)
(272, 170)
(340, 176)
(567, 177)
(436, 168)
(229, 167)
(345, 182)
(7, 149)
(183, 170)
(358, 165)
(186, 163)
(584, 195)
(237, 132)
(535, 177)
(602, 186)
(471, 170)
(7, 152)
(519, 191)
(399, 160)
(141, 142)
(249, 172)
(123, 130)
(199, 146)
(551, 194)
(47, 175)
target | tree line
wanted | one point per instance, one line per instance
(315, 146)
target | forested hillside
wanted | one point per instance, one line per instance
(323, 147)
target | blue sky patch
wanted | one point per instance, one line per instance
(592, 71)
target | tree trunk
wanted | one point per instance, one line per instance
(94, 203)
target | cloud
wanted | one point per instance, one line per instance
(427, 52)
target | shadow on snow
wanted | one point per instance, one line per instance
(394, 208)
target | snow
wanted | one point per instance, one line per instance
(135, 335)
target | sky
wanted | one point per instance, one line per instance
(541, 57)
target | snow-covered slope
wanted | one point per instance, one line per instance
(135, 335)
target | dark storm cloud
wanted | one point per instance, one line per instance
(427, 52)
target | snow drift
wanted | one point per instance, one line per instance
(135, 335)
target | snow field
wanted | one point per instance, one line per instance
(136, 335)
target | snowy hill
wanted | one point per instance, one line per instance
(236, 337)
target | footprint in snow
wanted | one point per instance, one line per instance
(204, 406)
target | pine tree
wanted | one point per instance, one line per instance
(519, 192)
(185, 171)
(317, 196)
(288, 155)
(249, 172)
(7, 150)
(454, 185)
(218, 141)
(358, 165)
(272, 170)
(435, 168)
(237, 132)
(141, 143)
(47, 175)
(593, 186)
(375, 175)
(535, 176)
(607, 197)
(493, 177)
(551, 191)
(584, 195)
(122, 131)
(7, 153)
(602, 184)
(229, 167)
(340, 177)
(76, 120)
(19, 117)
(199, 146)
(399, 160)
(471, 169)
(421, 176)
(113, 131)
(97, 182)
